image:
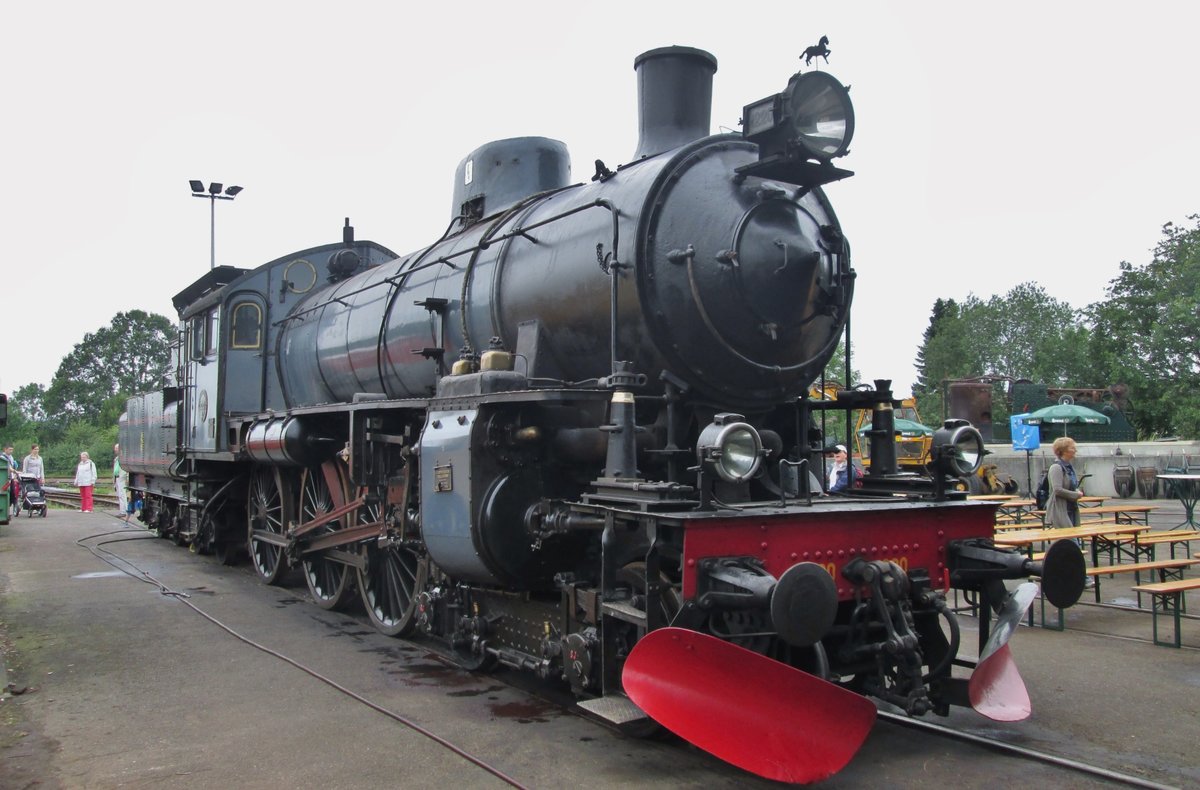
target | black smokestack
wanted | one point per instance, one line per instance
(674, 97)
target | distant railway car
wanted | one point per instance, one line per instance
(572, 436)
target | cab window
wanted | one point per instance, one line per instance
(247, 326)
(205, 331)
(197, 330)
(211, 333)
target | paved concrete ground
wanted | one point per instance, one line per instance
(130, 688)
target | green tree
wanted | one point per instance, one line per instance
(62, 457)
(1023, 334)
(1147, 333)
(27, 422)
(945, 354)
(1026, 333)
(835, 368)
(125, 357)
(28, 403)
(942, 308)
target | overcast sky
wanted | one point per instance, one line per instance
(996, 143)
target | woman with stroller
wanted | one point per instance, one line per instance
(85, 478)
(33, 465)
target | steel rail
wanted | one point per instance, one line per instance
(1024, 752)
(124, 564)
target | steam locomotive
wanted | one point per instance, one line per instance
(572, 436)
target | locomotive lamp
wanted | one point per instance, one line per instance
(213, 193)
(799, 131)
(957, 449)
(730, 448)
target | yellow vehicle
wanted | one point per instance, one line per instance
(913, 438)
(829, 393)
(914, 441)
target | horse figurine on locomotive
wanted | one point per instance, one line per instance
(572, 436)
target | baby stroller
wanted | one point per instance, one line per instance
(33, 499)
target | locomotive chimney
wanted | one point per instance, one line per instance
(674, 98)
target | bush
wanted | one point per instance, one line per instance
(63, 457)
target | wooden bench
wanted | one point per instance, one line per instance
(1168, 597)
(1167, 570)
(1117, 543)
(1125, 514)
(1025, 518)
(1171, 537)
(1010, 527)
(1148, 541)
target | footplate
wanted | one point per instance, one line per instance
(615, 708)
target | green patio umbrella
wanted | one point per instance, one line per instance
(1067, 414)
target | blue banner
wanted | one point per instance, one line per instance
(1024, 437)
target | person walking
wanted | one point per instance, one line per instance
(1062, 507)
(85, 479)
(119, 477)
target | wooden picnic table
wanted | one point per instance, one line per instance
(1089, 501)
(1103, 537)
(1028, 537)
(1013, 526)
(1015, 510)
(991, 497)
(1122, 513)
(1147, 542)
(1168, 598)
(1167, 570)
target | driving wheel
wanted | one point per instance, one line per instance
(268, 512)
(329, 581)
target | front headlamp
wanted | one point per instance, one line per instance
(730, 449)
(957, 448)
(821, 118)
(800, 130)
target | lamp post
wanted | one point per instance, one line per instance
(213, 193)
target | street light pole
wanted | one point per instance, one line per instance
(213, 193)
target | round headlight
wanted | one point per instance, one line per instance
(820, 113)
(958, 448)
(732, 450)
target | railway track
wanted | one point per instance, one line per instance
(1076, 767)
(64, 497)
